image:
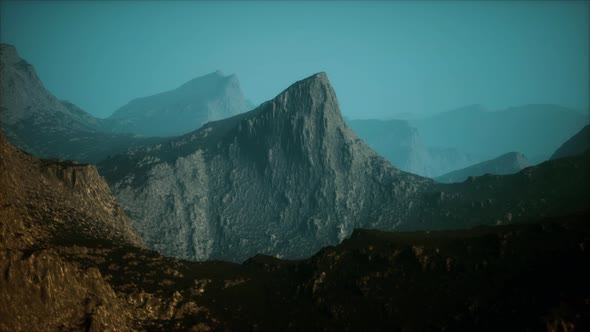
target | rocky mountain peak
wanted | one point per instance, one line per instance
(308, 103)
(294, 154)
(203, 99)
(307, 94)
(8, 54)
(303, 122)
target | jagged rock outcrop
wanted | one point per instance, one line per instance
(535, 130)
(402, 145)
(46, 200)
(284, 179)
(576, 145)
(37, 122)
(172, 113)
(508, 163)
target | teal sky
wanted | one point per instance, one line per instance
(382, 57)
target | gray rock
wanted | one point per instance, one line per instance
(284, 179)
(291, 177)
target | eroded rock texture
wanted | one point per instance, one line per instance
(284, 179)
(291, 177)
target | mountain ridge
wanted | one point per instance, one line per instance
(576, 145)
(507, 163)
(294, 152)
(290, 177)
(37, 122)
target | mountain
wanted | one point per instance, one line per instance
(534, 130)
(285, 178)
(402, 145)
(576, 145)
(291, 177)
(49, 199)
(508, 163)
(70, 260)
(172, 113)
(37, 122)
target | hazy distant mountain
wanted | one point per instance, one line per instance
(37, 122)
(576, 145)
(535, 130)
(26, 101)
(290, 177)
(172, 113)
(402, 145)
(508, 163)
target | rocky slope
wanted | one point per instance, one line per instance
(37, 122)
(172, 113)
(291, 177)
(517, 277)
(508, 163)
(45, 199)
(535, 130)
(401, 144)
(577, 145)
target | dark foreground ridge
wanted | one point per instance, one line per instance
(531, 276)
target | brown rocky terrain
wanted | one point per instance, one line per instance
(45, 199)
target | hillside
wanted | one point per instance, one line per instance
(508, 163)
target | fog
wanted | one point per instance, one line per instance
(383, 58)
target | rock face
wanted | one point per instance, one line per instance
(291, 177)
(402, 145)
(47, 199)
(535, 130)
(286, 178)
(172, 113)
(508, 163)
(37, 122)
(577, 145)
